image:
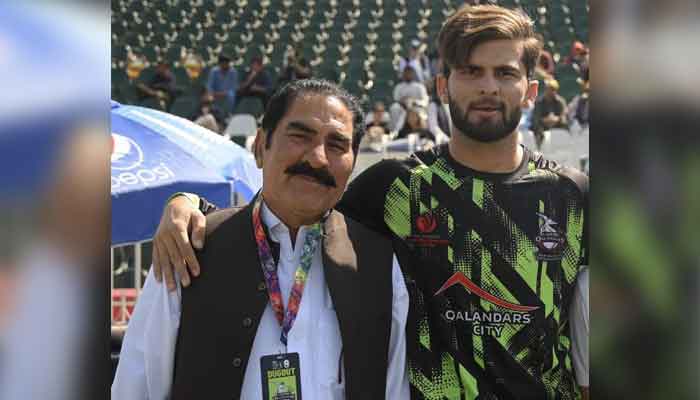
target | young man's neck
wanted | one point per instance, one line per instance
(502, 156)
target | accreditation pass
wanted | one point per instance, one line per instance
(280, 377)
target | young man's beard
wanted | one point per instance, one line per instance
(486, 131)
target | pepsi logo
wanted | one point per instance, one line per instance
(126, 153)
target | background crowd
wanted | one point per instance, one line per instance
(207, 61)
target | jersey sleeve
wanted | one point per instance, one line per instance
(364, 198)
(578, 185)
(580, 329)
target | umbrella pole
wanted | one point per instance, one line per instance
(137, 268)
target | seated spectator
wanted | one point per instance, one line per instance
(161, 86)
(208, 114)
(417, 60)
(550, 112)
(579, 107)
(257, 83)
(416, 122)
(378, 117)
(438, 116)
(578, 58)
(409, 90)
(223, 83)
(295, 67)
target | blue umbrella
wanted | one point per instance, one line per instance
(149, 163)
(227, 158)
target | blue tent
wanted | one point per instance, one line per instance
(155, 155)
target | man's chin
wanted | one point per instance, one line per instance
(487, 121)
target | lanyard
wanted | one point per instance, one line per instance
(286, 320)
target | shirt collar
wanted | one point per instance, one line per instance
(275, 226)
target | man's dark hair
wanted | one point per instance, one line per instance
(224, 58)
(282, 100)
(473, 25)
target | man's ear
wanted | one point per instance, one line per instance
(441, 86)
(258, 146)
(531, 94)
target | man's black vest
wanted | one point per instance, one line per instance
(222, 308)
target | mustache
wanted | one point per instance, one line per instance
(321, 175)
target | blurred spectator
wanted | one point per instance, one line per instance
(208, 114)
(379, 118)
(579, 107)
(578, 58)
(408, 90)
(257, 83)
(223, 83)
(550, 111)
(417, 60)
(295, 67)
(161, 86)
(438, 116)
(545, 63)
(416, 122)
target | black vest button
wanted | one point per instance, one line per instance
(247, 322)
(261, 286)
(236, 362)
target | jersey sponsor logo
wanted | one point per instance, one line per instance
(550, 241)
(460, 278)
(490, 322)
(426, 224)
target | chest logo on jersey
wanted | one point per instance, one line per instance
(486, 322)
(550, 241)
(426, 224)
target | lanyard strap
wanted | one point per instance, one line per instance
(286, 320)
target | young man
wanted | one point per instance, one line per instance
(491, 237)
(258, 82)
(233, 333)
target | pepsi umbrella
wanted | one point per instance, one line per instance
(147, 167)
(230, 160)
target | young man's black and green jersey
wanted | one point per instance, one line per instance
(490, 262)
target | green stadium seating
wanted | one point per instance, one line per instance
(243, 28)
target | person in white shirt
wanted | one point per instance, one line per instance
(307, 150)
(417, 60)
(406, 93)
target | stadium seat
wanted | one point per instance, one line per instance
(241, 125)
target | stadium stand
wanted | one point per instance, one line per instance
(357, 43)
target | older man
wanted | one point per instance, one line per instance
(297, 295)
